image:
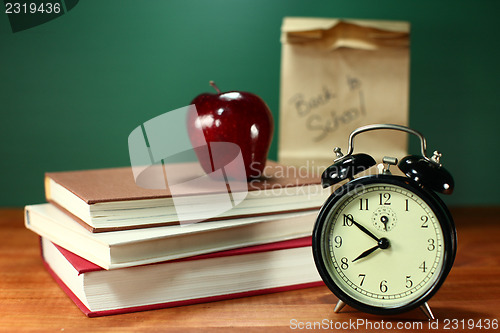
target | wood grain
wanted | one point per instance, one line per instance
(31, 300)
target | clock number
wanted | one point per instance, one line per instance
(338, 241)
(406, 209)
(361, 206)
(344, 265)
(423, 267)
(383, 286)
(431, 246)
(409, 283)
(424, 220)
(384, 199)
(347, 220)
(362, 276)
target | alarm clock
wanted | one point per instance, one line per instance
(384, 243)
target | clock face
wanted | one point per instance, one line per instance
(382, 246)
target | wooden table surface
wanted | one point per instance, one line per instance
(31, 300)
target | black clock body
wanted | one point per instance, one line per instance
(322, 239)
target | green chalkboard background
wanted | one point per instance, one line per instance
(72, 89)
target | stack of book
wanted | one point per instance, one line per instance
(115, 247)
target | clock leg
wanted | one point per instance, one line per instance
(340, 305)
(427, 311)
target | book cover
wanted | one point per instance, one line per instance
(127, 248)
(250, 271)
(109, 199)
(118, 184)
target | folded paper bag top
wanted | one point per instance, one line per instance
(337, 33)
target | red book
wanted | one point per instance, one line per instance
(248, 271)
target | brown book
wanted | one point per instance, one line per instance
(110, 199)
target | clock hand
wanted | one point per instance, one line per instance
(366, 231)
(384, 220)
(383, 244)
(366, 253)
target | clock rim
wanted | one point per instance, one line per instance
(437, 206)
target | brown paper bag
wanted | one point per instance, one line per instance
(337, 75)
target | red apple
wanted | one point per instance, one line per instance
(240, 118)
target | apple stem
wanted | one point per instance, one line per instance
(212, 83)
